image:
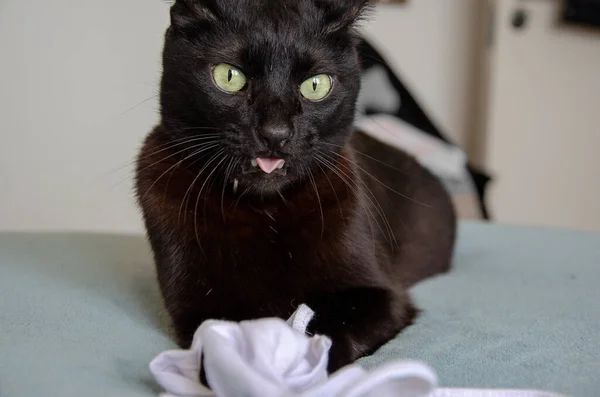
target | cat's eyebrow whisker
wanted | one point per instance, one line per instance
(368, 56)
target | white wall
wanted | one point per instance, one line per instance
(71, 69)
(543, 134)
(433, 46)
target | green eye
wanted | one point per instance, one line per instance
(228, 78)
(316, 88)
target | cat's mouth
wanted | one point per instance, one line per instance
(265, 174)
(267, 165)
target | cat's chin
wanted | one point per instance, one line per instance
(259, 183)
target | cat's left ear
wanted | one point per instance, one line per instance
(187, 12)
(343, 14)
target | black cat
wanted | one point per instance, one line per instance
(257, 195)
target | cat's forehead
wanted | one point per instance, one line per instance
(317, 15)
(274, 30)
(282, 17)
(279, 9)
(265, 36)
(314, 16)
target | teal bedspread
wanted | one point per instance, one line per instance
(80, 314)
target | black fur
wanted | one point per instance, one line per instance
(336, 229)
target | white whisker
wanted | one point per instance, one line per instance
(373, 199)
(176, 165)
(312, 180)
(183, 200)
(200, 194)
(381, 183)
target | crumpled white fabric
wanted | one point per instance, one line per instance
(272, 358)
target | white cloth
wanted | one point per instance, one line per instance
(272, 358)
(441, 158)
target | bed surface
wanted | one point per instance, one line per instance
(80, 314)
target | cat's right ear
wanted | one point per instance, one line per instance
(185, 13)
(343, 14)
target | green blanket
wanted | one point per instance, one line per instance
(80, 315)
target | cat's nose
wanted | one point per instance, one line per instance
(275, 136)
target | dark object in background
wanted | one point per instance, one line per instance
(583, 12)
(520, 18)
(410, 112)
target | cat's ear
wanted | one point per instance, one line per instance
(187, 12)
(343, 14)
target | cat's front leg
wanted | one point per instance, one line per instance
(359, 321)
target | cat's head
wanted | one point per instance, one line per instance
(263, 89)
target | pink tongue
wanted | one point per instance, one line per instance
(269, 165)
